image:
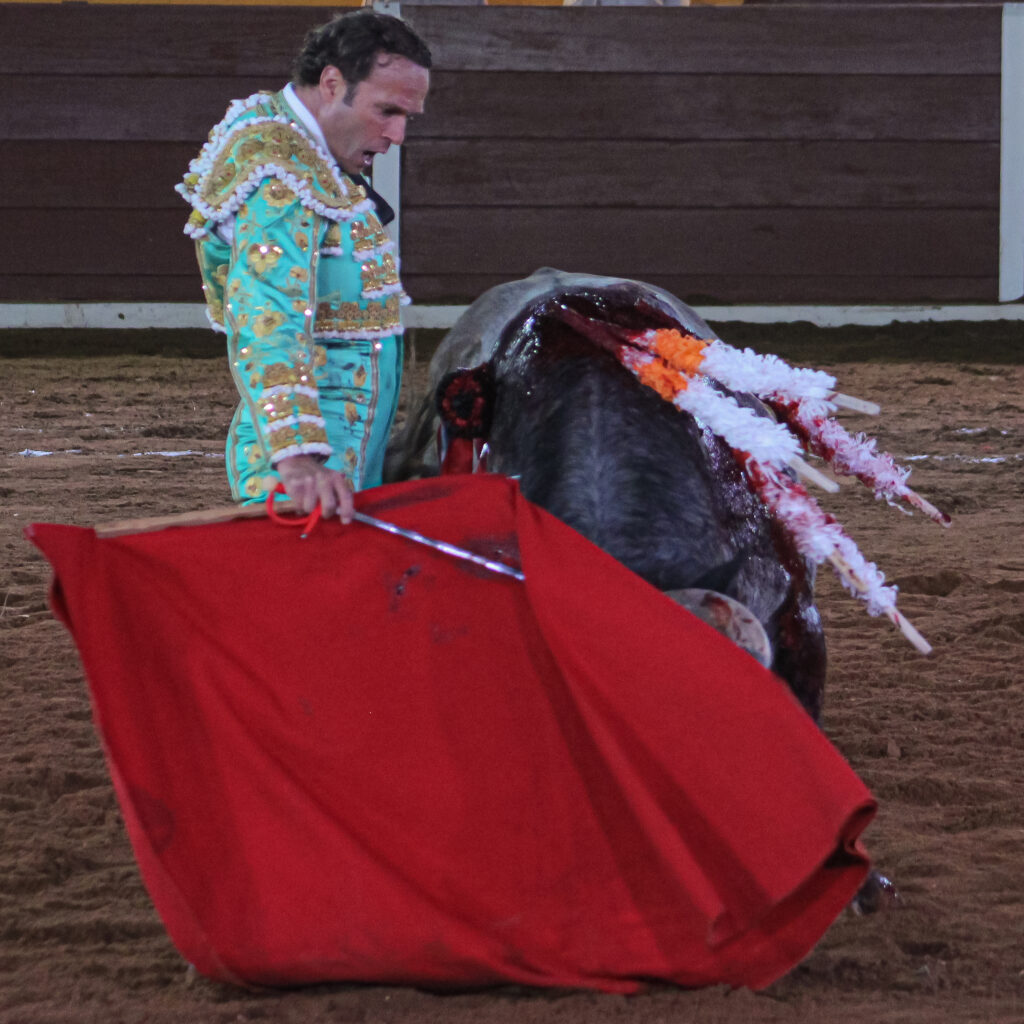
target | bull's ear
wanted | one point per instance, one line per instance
(465, 401)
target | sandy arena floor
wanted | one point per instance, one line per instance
(98, 428)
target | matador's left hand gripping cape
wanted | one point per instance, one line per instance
(291, 253)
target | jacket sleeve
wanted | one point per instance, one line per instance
(269, 306)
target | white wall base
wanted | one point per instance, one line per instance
(178, 315)
(1011, 156)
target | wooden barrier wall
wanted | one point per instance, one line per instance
(762, 153)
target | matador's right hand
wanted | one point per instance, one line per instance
(308, 482)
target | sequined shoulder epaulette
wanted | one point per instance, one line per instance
(257, 140)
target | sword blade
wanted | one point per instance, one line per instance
(439, 545)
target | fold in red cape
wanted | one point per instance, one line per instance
(351, 757)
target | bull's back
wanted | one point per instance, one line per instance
(646, 483)
(616, 463)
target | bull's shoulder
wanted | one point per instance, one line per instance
(472, 339)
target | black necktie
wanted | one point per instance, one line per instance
(384, 212)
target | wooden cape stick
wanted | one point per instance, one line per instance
(208, 517)
(203, 517)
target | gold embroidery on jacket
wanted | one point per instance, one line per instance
(306, 404)
(280, 146)
(376, 276)
(313, 434)
(277, 193)
(380, 316)
(262, 258)
(267, 322)
(284, 437)
(370, 235)
(278, 374)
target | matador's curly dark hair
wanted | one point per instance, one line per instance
(352, 42)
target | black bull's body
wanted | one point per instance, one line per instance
(612, 459)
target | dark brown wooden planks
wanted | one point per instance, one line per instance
(803, 39)
(82, 287)
(145, 39)
(615, 105)
(116, 108)
(101, 242)
(96, 175)
(776, 289)
(666, 175)
(760, 153)
(516, 105)
(646, 241)
(56, 175)
(755, 242)
(153, 39)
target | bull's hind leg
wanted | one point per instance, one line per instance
(800, 656)
(777, 585)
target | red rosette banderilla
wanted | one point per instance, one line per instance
(465, 404)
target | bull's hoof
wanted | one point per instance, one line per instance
(733, 620)
(876, 895)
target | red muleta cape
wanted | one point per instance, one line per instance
(350, 757)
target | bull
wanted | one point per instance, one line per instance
(644, 481)
(606, 455)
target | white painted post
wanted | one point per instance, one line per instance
(1011, 152)
(387, 169)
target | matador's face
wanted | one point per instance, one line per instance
(362, 122)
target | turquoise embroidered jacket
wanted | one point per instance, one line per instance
(290, 251)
